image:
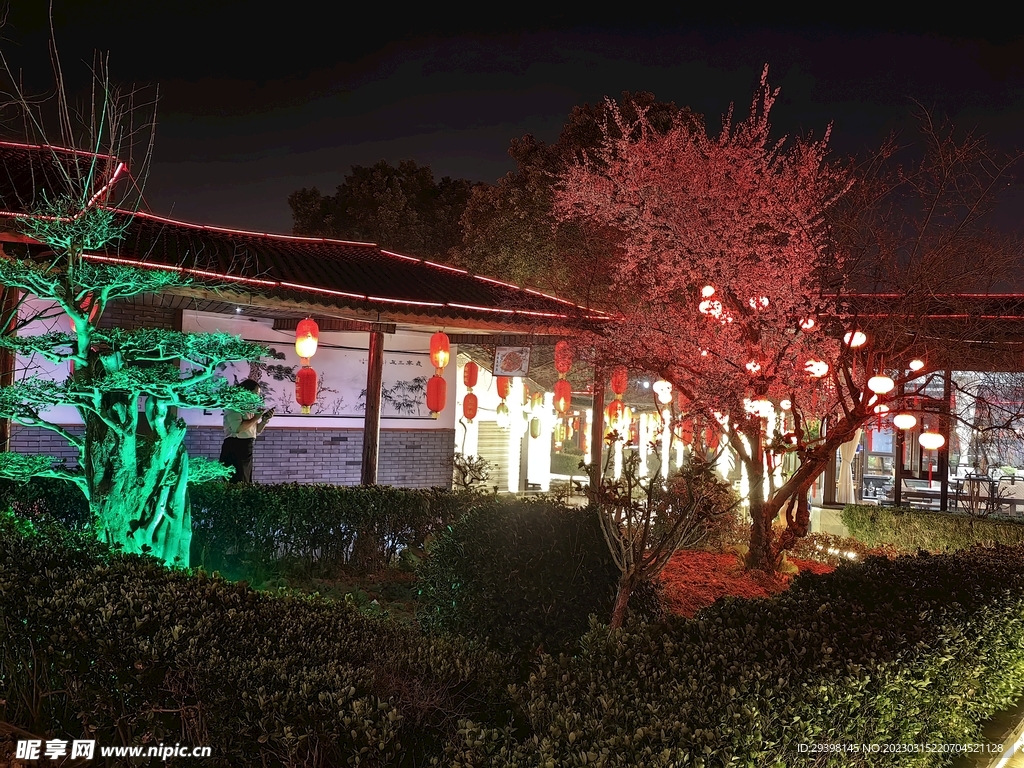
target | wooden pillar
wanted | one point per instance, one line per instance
(597, 431)
(9, 298)
(371, 420)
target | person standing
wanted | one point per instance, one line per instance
(240, 431)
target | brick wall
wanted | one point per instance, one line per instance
(408, 458)
(132, 316)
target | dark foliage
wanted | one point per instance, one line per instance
(523, 575)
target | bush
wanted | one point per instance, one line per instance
(523, 574)
(915, 650)
(910, 529)
(252, 531)
(120, 649)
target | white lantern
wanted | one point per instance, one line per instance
(663, 389)
(855, 338)
(904, 421)
(916, 365)
(881, 385)
(931, 441)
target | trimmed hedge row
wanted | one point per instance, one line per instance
(912, 651)
(912, 529)
(254, 530)
(120, 649)
(523, 575)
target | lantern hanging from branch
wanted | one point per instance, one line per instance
(663, 390)
(619, 381)
(437, 394)
(563, 358)
(440, 351)
(931, 441)
(306, 386)
(881, 384)
(904, 421)
(307, 336)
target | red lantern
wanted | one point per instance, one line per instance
(470, 374)
(686, 432)
(620, 379)
(307, 334)
(711, 436)
(615, 410)
(504, 386)
(440, 350)
(469, 406)
(437, 393)
(563, 395)
(563, 357)
(305, 388)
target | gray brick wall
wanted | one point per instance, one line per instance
(131, 316)
(408, 458)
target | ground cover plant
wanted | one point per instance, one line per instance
(911, 529)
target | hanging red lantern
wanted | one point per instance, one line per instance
(440, 350)
(711, 436)
(536, 401)
(563, 395)
(470, 374)
(469, 406)
(504, 386)
(686, 432)
(437, 394)
(307, 336)
(620, 379)
(615, 411)
(306, 386)
(563, 357)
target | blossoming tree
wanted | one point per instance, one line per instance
(735, 256)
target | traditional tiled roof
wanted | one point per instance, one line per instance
(293, 270)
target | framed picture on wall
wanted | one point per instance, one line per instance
(511, 361)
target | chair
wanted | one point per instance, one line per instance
(1009, 497)
(973, 494)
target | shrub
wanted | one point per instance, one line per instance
(120, 649)
(915, 650)
(911, 529)
(522, 574)
(252, 531)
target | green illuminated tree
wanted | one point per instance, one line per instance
(126, 385)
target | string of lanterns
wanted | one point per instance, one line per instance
(470, 373)
(563, 390)
(437, 387)
(307, 337)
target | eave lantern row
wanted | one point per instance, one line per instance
(470, 375)
(563, 390)
(437, 387)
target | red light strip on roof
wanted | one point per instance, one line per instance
(105, 187)
(506, 311)
(52, 148)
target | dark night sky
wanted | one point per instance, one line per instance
(255, 105)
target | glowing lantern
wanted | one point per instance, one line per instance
(880, 409)
(904, 421)
(615, 411)
(881, 385)
(502, 416)
(437, 394)
(563, 357)
(440, 351)
(807, 324)
(534, 427)
(785, 404)
(563, 395)
(470, 375)
(306, 388)
(816, 368)
(663, 390)
(931, 441)
(916, 365)
(620, 380)
(504, 386)
(707, 291)
(469, 406)
(536, 403)
(855, 339)
(307, 335)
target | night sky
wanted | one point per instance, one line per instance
(255, 105)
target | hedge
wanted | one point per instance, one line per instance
(918, 650)
(523, 575)
(911, 529)
(254, 531)
(120, 649)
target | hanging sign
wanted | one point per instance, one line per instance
(512, 361)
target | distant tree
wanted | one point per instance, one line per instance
(401, 208)
(510, 229)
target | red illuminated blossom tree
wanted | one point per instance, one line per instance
(736, 254)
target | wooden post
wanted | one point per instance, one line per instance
(9, 298)
(944, 427)
(597, 432)
(371, 420)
